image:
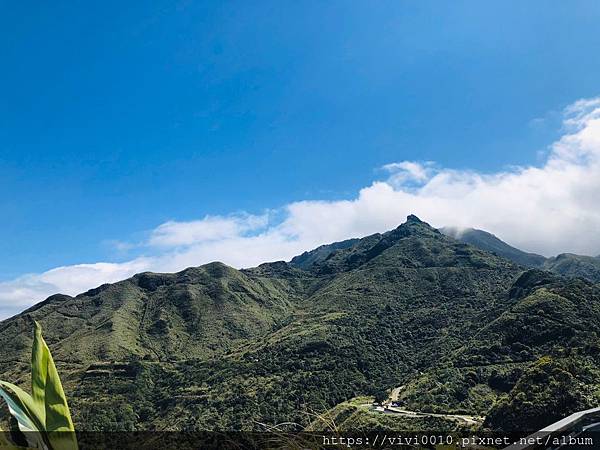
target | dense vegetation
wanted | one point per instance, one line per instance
(462, 329)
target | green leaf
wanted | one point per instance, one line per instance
(39, 371)
(22, 407)
(48, 395)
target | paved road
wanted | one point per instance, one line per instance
(473, 420)
(392, 410)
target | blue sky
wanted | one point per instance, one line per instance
(118, 117)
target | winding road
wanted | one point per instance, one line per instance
(472, 420)
(394, 396)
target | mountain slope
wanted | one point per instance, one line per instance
(490, 243)
(566, 264)
(195, 313)
(217, 348)
(551, 328)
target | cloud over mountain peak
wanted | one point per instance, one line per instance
(550, 208)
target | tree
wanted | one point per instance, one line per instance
(381, 396)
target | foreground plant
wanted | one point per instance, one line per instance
(42, 417)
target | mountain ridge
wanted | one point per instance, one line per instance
(567, 264)
(489, 242)
(213, 347)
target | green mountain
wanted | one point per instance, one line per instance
(534, 362)
(566, 264)
(490, 243)
(461, 330)
(571, 265)
(319, 254)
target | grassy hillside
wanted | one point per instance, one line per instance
(217, 348)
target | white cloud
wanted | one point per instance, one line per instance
(211, 228)
(405, 172)
(549, 208)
